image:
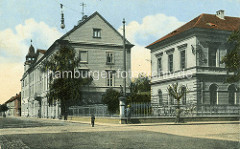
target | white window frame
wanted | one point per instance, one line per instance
(182, 60)
(111, 58)
(97, 33)
(83, 61)
(110, 78)
(169, 63)
(210, 52)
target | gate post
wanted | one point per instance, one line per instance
(122, 109)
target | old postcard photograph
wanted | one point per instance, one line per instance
(119, 74)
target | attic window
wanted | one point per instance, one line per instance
(211, 24)
(96, 33)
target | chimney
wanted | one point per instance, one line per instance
(220, 14)
(84, 17)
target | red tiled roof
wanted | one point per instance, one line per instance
(18, 96)
(208, 21)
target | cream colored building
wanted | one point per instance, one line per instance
(100, 48)
(191, 55)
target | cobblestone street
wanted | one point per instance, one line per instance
(42, 133)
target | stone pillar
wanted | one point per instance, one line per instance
(122, 109)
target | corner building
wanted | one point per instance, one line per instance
(191, 55)
(100, 49)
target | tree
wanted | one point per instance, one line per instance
(111, 99)
(140, 84)
(3, 108)
(232, 58)
(64, 86)
(140, 90)
(176, 92)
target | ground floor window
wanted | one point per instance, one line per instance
(184, 98)
(231, 94)
(213, 94)
(160, 98)
(171, 100)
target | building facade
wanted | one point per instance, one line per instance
(191, 55)
(100, 49)
(14, 105)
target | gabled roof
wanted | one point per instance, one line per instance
(88, 18)
(62, 41)
(206, 21)
(17, 96)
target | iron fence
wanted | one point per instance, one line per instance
(192, 110)
(99, 110)
(141, 109)
(156, 110)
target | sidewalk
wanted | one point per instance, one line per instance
(220, 130)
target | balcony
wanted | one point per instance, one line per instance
(211, 70)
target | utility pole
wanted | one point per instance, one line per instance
(122, 97)
(124, 61)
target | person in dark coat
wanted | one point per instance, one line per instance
(92, 120)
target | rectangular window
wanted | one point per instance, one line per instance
(109, 58)
(159, 61)
(170, 63)
(97, 33)
(110, 78)
(83, 55)
(212, 57)
(183, 59)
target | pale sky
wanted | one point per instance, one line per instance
(39, 20)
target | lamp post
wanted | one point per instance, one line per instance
(122, 97)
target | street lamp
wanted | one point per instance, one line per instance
(122, 97)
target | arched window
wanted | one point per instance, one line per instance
(184, 98)
(213, 94)
(160, 98)
(231, 94)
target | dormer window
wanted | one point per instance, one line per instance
(96, 33)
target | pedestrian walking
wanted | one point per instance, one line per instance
(92, 120)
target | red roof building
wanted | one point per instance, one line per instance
(205, 21)
(14, 105)
(191, 55)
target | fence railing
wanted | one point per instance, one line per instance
(99, 110)
(196, 110)
(218, 110)
(141, 109)
(156, 110)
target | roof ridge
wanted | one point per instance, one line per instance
(200, 17)
(201, 21)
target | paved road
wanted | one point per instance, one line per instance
(58, 134)
(25, 123)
